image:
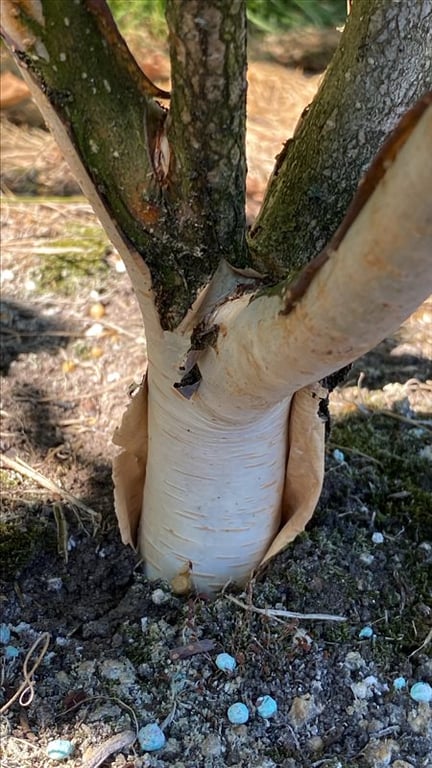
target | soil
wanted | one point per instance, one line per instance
(124, 652)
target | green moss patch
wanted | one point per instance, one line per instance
(386, 464)
(67, 260)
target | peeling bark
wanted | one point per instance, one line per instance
(218, 474)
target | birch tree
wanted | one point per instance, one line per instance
(221, 452)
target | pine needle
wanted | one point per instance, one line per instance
(24, 469)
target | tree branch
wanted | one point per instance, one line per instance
(382, 66)
(75, 55)
(379, 272)
(100, 107)
(206, 183)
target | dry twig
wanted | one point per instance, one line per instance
(426, 641)
(103, 751)
(274, 613)
(25, 692)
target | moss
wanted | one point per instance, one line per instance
(139, 650)
(395, 479)
(68, 260)
(17, 545)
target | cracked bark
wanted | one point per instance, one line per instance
(206, 183)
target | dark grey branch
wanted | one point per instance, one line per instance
(206, 186)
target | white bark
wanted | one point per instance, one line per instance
(213, 488)
(379, 274)
(219, 482)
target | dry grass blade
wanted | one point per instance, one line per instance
(20, 466)
(273, 613)
(425, 643)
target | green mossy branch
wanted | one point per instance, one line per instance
(381, 68)
(75, 55)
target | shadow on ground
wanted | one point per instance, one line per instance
(24, 330)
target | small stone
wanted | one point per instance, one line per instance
(354, 661)
(151, 738)
(119, 670)
(366, 688)
(11, 652)
(6, 276)
(96, 329)
(315, 744)
(238, 713)
(4, 634)
(378, 754)
(59, 749)
(399, 683)
(367, 558)
(302, 710)
(425, 546)
(97, 310)
(365, 633)
(266, 706)
(402, 764)
(159, 597)
(225, 662)
(212, 746)
(55, 584)
(420, 721)
(421, 692)
(23, 626)
(377, 538)
(426, 452)
(338, 456)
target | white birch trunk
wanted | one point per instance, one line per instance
(213, 488)
(218, 479)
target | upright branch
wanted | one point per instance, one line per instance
(380, 69)
(74, 54)
(177, 199)
(206, 126)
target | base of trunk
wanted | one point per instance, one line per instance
(213, 490)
